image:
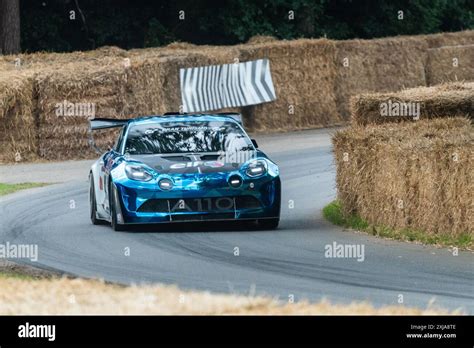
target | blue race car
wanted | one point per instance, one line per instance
(183, 168)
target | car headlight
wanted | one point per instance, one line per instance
(256, 168)
(137, 173)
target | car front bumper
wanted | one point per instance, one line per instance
(197, 200)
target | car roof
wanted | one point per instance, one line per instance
(181, 118)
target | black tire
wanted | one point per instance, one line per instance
(93, 203)
(113, 214)
(268, 224)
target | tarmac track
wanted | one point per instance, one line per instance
(288, 262)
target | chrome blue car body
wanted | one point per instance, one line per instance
(178, 168)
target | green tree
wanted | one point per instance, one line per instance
(46, 25)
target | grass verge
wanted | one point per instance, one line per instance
(15, 275)
(10, 188)
(10, 269)
(333, 213)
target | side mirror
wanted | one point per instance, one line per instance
(254, 142)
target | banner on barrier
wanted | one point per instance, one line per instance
(216, 87)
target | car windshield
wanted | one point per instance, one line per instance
(185, 137)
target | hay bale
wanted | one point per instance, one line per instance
(447, 100)
(17, 123)
(178, 45)
(411, 175)
(380, 65)
(44, 60)
(465, 37)
(98, 86)
(450, 63)
(387, 64)
(171, 66)
(68, 141)
(259, 39)
(303, 73)
(153, 84)
(144, 87)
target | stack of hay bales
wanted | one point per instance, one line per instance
(32, 87)
(378, 65)
(43, 60)
(153, 84)
(258, 39)
(416, 175)
(18, 139)
(199, 57)
(461, 38)
(94, 89)
(446, 100)
(311, 82)
(450, 63)
(143, 82)
(390, 64)
(303, 73)
(144, 87)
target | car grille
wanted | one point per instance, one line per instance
(199, 204)
(203, 217)
(247, 202)
(154, 206)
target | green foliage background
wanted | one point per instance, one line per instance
(46, 25)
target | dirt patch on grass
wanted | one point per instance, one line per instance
(9, 269)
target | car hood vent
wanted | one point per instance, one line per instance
(177, 158)
(209, 157)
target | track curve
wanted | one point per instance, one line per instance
(287, 262)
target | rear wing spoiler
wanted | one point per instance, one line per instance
(235, 115)
(103, 123)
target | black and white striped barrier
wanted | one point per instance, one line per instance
(216, 87)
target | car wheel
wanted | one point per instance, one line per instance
(93, 203)
(116, 226)
(268, 224)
